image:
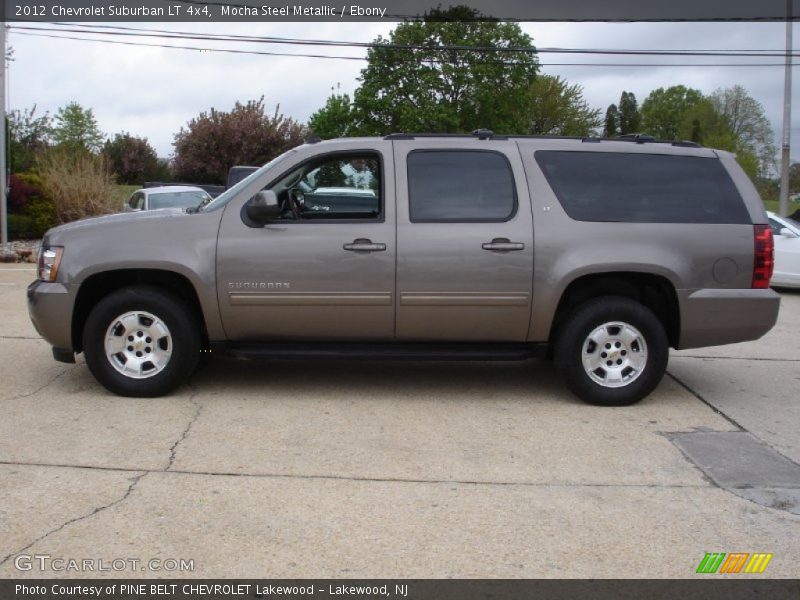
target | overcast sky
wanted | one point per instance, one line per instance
(152, 92)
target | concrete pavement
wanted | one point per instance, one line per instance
(374, 469)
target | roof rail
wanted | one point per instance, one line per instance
(488, 134)
(639, 138)
(643, 138)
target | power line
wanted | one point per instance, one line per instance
(173, 34)
(363, 58)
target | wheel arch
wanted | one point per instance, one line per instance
(99, 285)
(656, 292)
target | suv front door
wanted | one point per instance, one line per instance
(464, 241)
(323, 270)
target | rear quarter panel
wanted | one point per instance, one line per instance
(690, 256)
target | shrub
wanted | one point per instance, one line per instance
(215, 141)
(43, 216)
(21, 190)
(19, 227)
(79, 185)
(132, 159)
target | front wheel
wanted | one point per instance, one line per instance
(141, 341)
(612, 351)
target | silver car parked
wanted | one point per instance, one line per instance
(168, 196)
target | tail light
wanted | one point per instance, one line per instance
(763, 257)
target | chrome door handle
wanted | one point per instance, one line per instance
(364, 245)
(503, 245)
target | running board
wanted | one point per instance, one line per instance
(382, 351)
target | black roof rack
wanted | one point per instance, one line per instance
(488, 134)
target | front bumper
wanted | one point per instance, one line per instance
(712, 317)
(50, 308)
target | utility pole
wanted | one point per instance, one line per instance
(3, 144)
(783, 203)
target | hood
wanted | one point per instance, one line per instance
(113, 221)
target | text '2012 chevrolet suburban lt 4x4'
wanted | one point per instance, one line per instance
(598, 253)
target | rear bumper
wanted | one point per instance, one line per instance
(50, 308)
(712, 317)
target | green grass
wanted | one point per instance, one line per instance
(772, 205)
(121, 193)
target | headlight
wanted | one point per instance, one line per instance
(49, 260)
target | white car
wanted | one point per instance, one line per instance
(168, 196)
(786, 233)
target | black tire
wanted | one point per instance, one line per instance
(573, 338)
(183, 343)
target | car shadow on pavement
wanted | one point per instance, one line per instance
(382, 377)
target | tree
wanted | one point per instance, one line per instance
(558, 108)
(663, 111)
(429, 86)
(628, 113)
(704, 124)
(215, 141)
(747, 120)
(29, 136)
(794, 178)
(132, 159)
(611, 122)
(76, 129)
(333, 120)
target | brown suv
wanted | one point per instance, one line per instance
(598, 253)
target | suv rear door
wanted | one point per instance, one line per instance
(464, 241)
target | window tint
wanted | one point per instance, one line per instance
(337, 187)
(460, 186)
(642, 188)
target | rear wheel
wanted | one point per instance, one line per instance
(612, 351)
(141, 341)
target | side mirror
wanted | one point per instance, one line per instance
(786, 232)
(263, 206)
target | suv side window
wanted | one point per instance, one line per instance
(460, 186)
(630, 187)
(335, 187)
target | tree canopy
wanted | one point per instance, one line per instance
(664, 110)
(75, 129)
(417, 81)
(611, 127)
(628, 113)
(132, 159)
(558, 108)
(333, 120)
(29, 135)
(216, 140)
(748, 122)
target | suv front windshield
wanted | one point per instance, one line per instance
(226, 196)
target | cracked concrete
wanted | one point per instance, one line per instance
(307, 469)
(133, 481)
(174, 449)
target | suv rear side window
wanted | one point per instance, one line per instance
(460, 186)
(642, 188)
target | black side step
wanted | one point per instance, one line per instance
(382, 351)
